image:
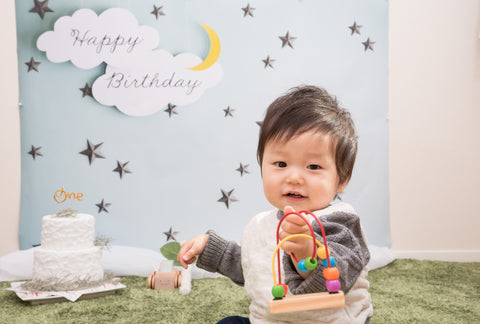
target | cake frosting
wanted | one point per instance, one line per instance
(67, 258)
(68, 233)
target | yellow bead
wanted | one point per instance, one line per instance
(321, 252)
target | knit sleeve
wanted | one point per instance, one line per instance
(347, 245)
(222, 256)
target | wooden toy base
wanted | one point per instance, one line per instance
(306, 302)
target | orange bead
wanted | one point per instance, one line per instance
(322, 253)
(331, 273)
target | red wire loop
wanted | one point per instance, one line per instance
(299, 214)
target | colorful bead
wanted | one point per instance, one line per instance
(331, 273)
(332, 262)
(333, 286)
(285, 289)
(301, 266)
(278, 291)
(322, 254)
(310, 264)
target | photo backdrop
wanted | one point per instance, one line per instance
(111, 113)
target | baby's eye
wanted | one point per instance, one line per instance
(281, 164)
(314, 167)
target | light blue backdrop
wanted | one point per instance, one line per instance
(180, 163)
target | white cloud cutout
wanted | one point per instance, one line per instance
(87, 40)
(149, 83)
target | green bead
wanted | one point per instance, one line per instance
(310, 264)
(278, 291)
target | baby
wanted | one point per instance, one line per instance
(306, 150)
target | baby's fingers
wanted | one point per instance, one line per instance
(184, 256)
(191, 249)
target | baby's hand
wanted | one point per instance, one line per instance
(190, 249)
(293, 224)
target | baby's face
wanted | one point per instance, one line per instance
(300, 172)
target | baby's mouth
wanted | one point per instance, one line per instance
(294, 195)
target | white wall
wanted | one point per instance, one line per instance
(434, 111)
(9, 132)
(434, 104)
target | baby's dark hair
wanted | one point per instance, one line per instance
(307, 108)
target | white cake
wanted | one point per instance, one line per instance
(67, 258)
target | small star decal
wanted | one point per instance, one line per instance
(103, 206)
(227, 197)
(86, 91)
(35, 151)
(122, 168)
(243, 169)
(368, 44)
(268, 62)
(172, 110)
(248, 11)
(228, 111)
(41, 8)
(355, 28)
(170, 234)
(93, 152)
(287, 40)
(157, 11)
(32, 65)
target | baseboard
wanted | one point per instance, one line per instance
(439, 255)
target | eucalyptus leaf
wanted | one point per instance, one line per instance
(170, 251)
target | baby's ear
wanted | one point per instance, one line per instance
(342, 186)
(288, 209)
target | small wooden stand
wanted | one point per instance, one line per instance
(306, 302)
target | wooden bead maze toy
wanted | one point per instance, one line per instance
(334, 297)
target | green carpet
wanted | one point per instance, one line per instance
(406, 291)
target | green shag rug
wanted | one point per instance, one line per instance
(405, 291)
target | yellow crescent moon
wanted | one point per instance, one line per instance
(213, 53)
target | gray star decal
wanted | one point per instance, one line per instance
(227, 197)
(368, 44)
(157, 11)
(41, 8)
(93, 152)
(35, 151)
(248, 11)
(355, 28)
(122, 168)
(170, 234)
(228, 111)
(86, 91)
(102, 206)
(268, 62)
(171, 110)
(287, 40)
(32, 65)
(243, 169)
